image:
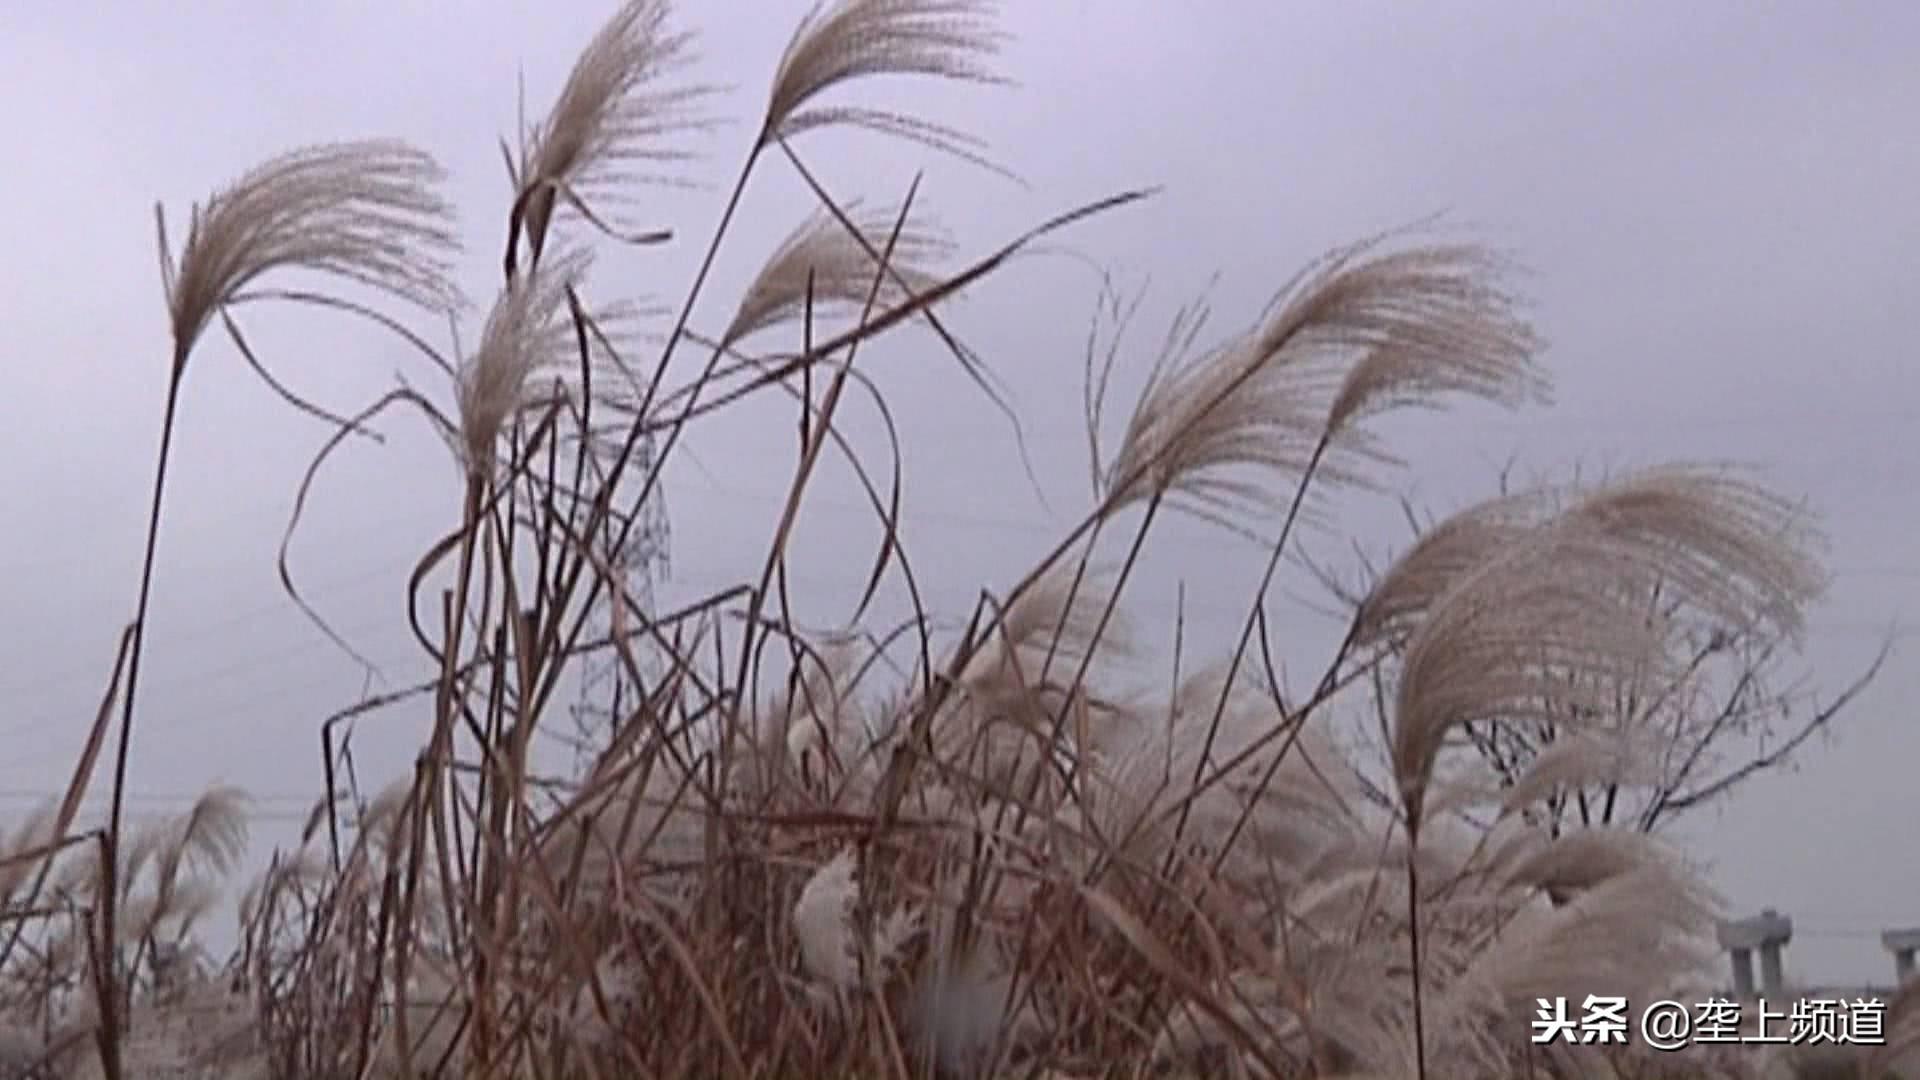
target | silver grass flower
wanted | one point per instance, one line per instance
(1433, 322)
(853, 39)
(1442, 555)
(1584, 858)
(528, 355)
(822, 717)
(364, 211)
(208, 838)
(1233, 426)
(1520, 639)
(822, 255)
(523, 334)
(1720, 541)
(1558, 618)
(1056, 616)
(1147, 770)
(1627, 935)
(1769, 582)
(823, 922)
(1575, 759)
(610, 119)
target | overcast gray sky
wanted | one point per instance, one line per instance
(1715, 201)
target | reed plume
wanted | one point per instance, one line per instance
(1226, 430)
(612, 116)
(367, 212)
(821, 264)
(848, 40)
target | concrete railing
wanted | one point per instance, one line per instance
(1768, 934)
(1902, 944)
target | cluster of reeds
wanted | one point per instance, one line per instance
(1016, 858)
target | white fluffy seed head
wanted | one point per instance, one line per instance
(823, 922)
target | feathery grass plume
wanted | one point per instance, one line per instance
(1559, 618)
(366, 211)
(528, 332)
(1585, 858)
(823, 922)
(1730, 548)
(1580, 758)
(1486, 930)
(383, 816)
(891, 936)
(1056, 616)
(834, 949)
(1722, 543)
(1303, 813)
(824, 720)
(1356, 334)
(168, 880)
(188, 854)
(1395, 603)
(1435, 324)
(820, 254)
(610, 116)
(1529, 636)
(852, 39)
(207, 839)
(362, 211)
(1003, 718)
(1204, 419)
(999, 741)
(1629, 934)
(304, 869)
(152, 918)
(1332, 998)
(1546, 630)
(1597, 752)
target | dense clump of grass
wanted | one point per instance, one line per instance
(1008, 861)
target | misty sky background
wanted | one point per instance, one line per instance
(1715, 203)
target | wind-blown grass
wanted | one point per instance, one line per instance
(888, 851)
